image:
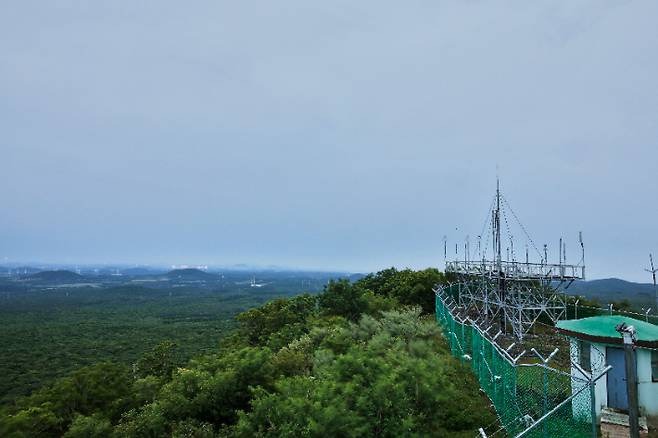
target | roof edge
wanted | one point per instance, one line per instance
(605, 339)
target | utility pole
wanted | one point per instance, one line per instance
(653, 274)
(628, 333)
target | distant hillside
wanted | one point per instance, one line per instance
(141, 271)
(190, 274)
(57, 276)
(614, 289)
(355, 277)
(25, 270)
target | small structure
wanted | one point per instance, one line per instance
(595, 344)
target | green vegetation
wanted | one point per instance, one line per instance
(359, 359)
(47, 334)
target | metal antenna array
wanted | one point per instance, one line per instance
(653, 274)
(509, 292)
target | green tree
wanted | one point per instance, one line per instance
(343, 298)
(396, 379)
(407, 287)
(145, 422)
(213, 389)
(33, 421)
(277, 322)
(192, 429)
(95, 426)
(160, 361)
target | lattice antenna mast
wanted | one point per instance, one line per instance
(496, 227)
(499, 258)
(653, 275)
(509, 292)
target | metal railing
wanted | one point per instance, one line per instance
(531, 399)
(517, 270)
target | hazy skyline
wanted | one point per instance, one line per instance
(334, 135)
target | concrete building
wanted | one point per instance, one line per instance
(595, 344)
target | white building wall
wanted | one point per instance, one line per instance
(597, 355)
(647, 390)
(581, 408)
(598, 363)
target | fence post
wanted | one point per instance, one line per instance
(473, 346)
(463, 346)
(592, 395)
(482, 357)
(463, 341)
(493, 371)
(545, 378)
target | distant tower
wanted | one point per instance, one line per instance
(510, 293)
(653, 275)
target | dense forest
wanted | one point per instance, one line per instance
(361, 358)
(50, 328)
(47, 335)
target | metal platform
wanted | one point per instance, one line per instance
(518, 270)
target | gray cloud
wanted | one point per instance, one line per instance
(340, 134)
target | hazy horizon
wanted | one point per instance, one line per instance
(351, 136)
(234, 267)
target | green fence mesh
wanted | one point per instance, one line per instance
(532, 400)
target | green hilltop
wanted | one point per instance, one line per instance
(362, 358)
(62, 276)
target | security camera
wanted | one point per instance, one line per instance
(627, 330)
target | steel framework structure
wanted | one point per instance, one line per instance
(514, 294)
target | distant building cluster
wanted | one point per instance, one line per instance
(200, 267)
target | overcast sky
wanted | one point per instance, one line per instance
(332, 135)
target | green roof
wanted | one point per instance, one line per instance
(602, 328)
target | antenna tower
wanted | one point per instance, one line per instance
(512, 293)
(653, 274)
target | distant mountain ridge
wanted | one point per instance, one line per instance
(614, 289)
(56, 276)
(139, 270)
(190, 274)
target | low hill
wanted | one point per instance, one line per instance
(614, 289)
(57, 276)
(25, 270)
(137, 271)
(190, 275)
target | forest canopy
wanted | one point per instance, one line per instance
(361, 358)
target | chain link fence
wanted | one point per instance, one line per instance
(530, 399)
